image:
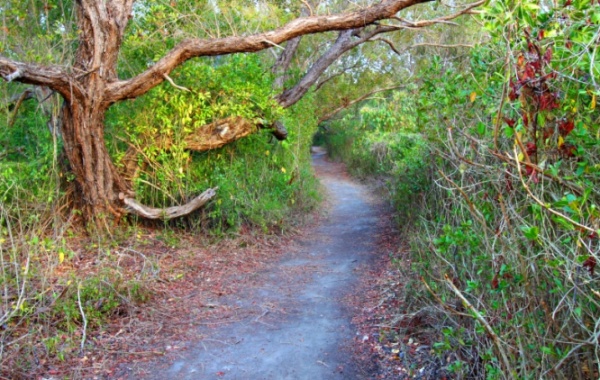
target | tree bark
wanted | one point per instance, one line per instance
(97, 178)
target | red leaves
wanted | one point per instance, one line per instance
(590, 264)
(528, 73)
(495, 282)
(548, 101)
(568, 150)
(530, 148)
(568, 2)
(509, 122)
(548, 55)
(529, 170)
(565, 127)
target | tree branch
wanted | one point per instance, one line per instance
(349, 39)
(331, 114)
(283, 62)
(193, 48)
(137, 208)
(400, 52)
(53, 77)
(321, 83)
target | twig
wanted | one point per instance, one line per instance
(568, 355)
(83, 337)
(273, 44)
(439, 300)
(357, 100)
(474, 212)
(544, 205)
(135, 353)
(482, 320)
(27, 94)
(307, 6)
(168, 78)
(400, 52)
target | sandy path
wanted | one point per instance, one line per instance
(294, 325)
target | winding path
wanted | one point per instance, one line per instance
(295, 324)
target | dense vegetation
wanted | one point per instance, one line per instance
(500, 150)
(487, 147)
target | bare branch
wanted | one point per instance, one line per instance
(51, 76)
(192, 48)
(170, 80)
(27, 94)
(477, 315)
(283, 62)
(331, 114)
(307, 6)
(137, 208)
(441, 20)
(335, 75)
(390, 44)
(400, 52)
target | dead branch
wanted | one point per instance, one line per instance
(137, 208)
(479, 317)
(27, 94)
(335, 75)
(170, 80)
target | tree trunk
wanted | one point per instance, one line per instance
(97, 178)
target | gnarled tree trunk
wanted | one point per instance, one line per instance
(97, 178)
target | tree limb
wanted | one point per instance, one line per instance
(135, 207)
(331, 114)
(192, 48)
(53, 77)
(349, 39)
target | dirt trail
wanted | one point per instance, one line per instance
(294, 325)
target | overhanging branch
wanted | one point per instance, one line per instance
(349, 39)
(192, 48)
(344, 106)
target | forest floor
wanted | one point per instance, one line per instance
(316, 303)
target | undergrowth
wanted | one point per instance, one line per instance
(505, 245)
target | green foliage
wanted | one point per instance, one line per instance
(379, 143)
(260, 180)
(513, 222)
